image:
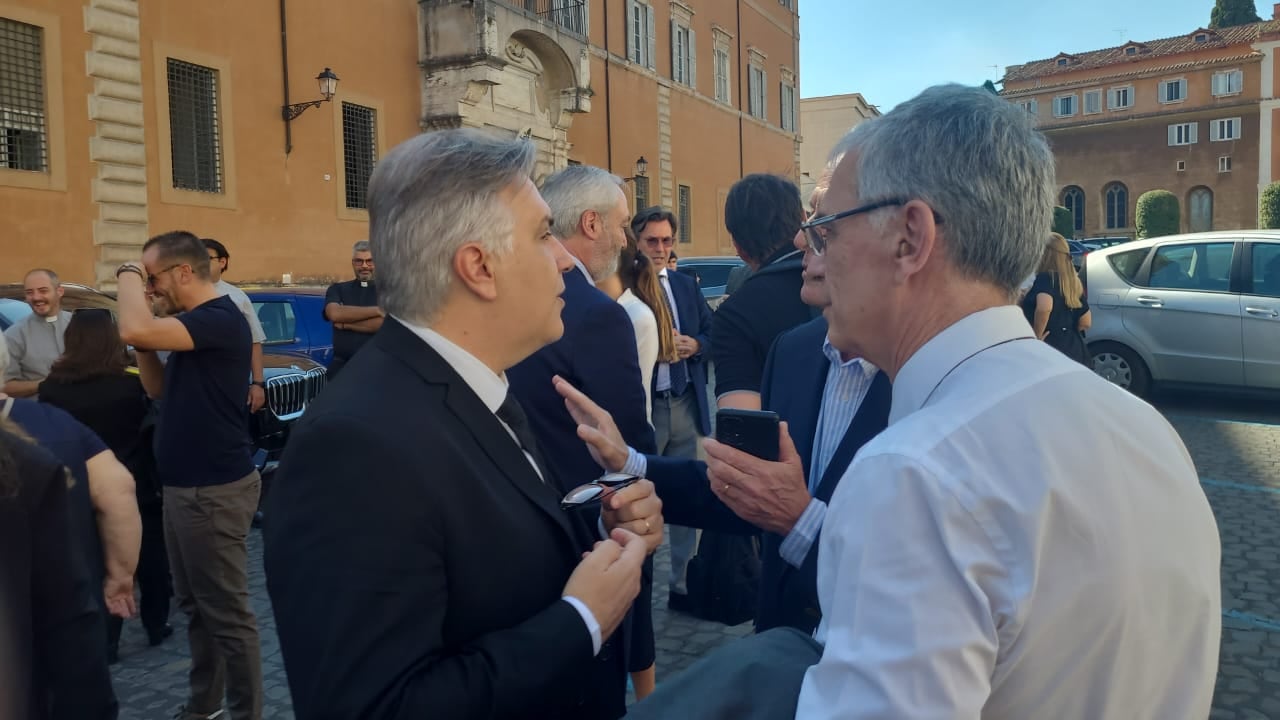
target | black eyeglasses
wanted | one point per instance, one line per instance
(818, 242)
(597, 491)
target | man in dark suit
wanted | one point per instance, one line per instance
(681, 412)
(597, 353)
(831, 403)
(417, 558)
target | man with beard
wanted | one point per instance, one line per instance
(597, 352)
(36, 341)
(202, 456)
(352, 307)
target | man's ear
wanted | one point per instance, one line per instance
(917, 240)
(475, 269)
(592, 223)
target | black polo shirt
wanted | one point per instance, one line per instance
(355, 294)
(745, 325)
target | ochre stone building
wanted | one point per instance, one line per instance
(122, 119)
(1194, 114)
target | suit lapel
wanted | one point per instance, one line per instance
(872, 417)
(483, 425)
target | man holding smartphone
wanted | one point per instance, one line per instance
(835, 402)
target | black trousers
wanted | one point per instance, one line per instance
(152, 577)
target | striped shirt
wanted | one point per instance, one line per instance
(847, 384)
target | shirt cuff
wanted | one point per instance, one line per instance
(593, 627)
(636, 463)
(795, 547)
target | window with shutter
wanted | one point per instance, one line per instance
(24, 141)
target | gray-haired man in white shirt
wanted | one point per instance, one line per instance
(1025, 539)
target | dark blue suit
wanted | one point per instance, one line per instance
(794, 377)
(695, 321)
(597, 354)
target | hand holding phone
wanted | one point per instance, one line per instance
(754, 432)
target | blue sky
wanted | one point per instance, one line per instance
(890, 50)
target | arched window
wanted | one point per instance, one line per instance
(1116, 201)
(1200, 209)
(1073, 200)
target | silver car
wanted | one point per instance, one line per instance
(1187, 310)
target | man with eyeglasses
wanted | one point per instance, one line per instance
(681, 408)
(203, 459)
(352, 307)
(832, 403)
(219, 261)
(984, 557)
(36, 341)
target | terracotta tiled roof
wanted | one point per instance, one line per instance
(1226, 37)
(1123, 73)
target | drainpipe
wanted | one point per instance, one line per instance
(284, 65)
(741, 162)
(608, 105)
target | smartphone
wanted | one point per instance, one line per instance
(752, 431)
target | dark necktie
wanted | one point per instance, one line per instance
(513, 415)
(679, 371)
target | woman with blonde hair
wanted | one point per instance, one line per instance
(1055, 305)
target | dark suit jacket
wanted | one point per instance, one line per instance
(415, 561)
(695, 321)
(597, 353)
(795, 376)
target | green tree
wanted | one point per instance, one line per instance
(1158, 214)
(1064, 223)
(1269, 207)
(1229, 13)
(991, 87)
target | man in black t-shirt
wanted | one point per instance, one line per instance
(352, 307)
(763, 214)
(203, 459)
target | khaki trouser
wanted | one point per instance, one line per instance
(205, 530)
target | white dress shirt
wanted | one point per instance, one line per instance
(646, 327)
(491, 388)
(1025, 540)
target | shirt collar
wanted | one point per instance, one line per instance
(583, 268)
(926, 369)
(60, 320)
(490, 387)
(833, 355)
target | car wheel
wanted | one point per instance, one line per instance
(1121, 366)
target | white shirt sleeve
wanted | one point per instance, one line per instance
(16, 347)
(593, 626)
(250, 314)
(909, 577)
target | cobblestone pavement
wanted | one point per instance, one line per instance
(1238, 461)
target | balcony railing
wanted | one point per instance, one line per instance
(570, 15)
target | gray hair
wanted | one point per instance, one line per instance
(430, 196)
(53, 276)
(359, 247)
(575, 190)
(976, 159)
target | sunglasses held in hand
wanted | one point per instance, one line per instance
(596, 491)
